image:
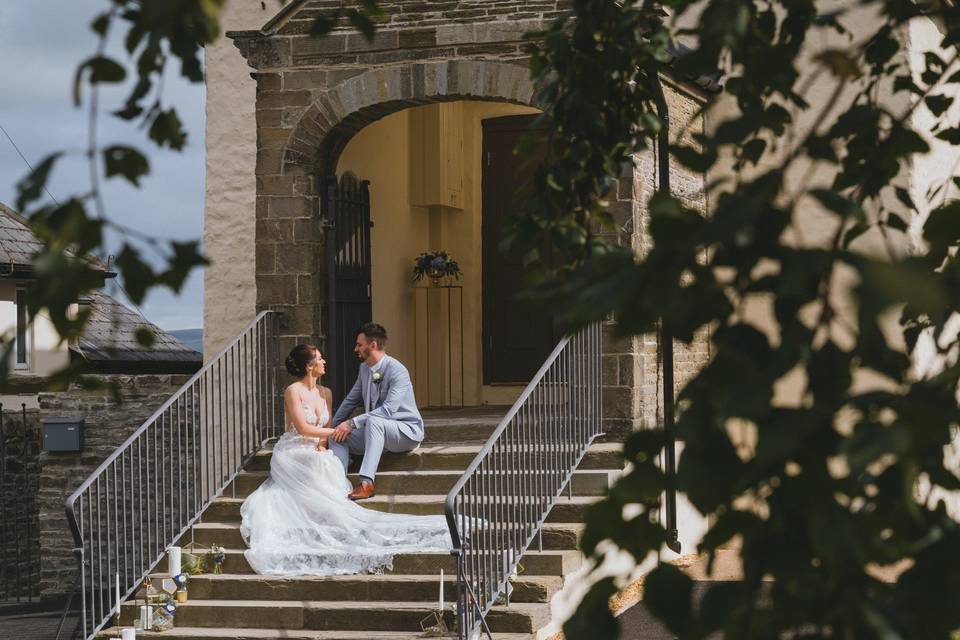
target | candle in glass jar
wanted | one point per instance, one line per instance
(128, 634)
(173, 561)
(146, 617)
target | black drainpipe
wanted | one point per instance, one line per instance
(666, 337)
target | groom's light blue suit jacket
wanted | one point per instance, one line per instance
(392, 399)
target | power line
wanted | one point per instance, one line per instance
(27, 162)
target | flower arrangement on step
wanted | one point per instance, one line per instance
(198, 560)
(216, 557)
(435, 265)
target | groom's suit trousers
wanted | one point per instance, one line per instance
(371, 440)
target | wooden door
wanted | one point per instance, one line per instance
(517, 338)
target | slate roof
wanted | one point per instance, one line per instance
(109, 342)
(17, 242)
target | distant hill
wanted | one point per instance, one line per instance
(191, 337)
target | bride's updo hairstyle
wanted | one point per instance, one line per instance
(300, 356)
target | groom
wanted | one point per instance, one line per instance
(390, 420)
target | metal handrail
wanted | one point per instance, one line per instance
(150, 491)
(498, 506)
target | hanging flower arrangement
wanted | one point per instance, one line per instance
(435, 265)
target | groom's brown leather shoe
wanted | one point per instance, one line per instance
(363, 491)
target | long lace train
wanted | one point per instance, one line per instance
(300, 522)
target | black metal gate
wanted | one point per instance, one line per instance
(347, 222)
(19, 511)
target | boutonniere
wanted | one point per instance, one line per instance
(377, 377)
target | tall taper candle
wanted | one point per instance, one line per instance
(173, 561)
(118, 594)
(440, 608)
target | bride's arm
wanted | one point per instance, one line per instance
(291, 403)
(328, 398)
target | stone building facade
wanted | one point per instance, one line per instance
(109, 420)
(313, 96)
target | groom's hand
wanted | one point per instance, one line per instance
(342, 432)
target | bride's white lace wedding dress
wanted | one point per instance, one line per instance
(300, 521)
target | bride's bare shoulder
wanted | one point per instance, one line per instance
(292, 389)
(326, 392)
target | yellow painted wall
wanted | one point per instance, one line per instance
(380, 153)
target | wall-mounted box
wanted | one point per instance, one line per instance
(63, 434)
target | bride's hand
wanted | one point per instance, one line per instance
(321, 445)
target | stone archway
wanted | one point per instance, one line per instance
(304, 122)
(340, 111)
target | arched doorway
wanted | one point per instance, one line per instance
(433, 185)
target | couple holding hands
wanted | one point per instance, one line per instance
(303, 520)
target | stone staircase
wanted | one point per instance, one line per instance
(240, 604)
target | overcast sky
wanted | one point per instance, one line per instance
(41, 44)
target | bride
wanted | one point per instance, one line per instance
(300, 521)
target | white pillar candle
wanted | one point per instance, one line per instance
(118, 594)
(440, 607)
(128, 634)
(146, 617)
(173, 561)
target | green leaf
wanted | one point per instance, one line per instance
(841, 63)
(101, 70)
(137, 275)
(938, 104)
(185, 256)
(145, 337)
(33, 185)
(693, 159)
(904, 197)
(593, 618)
(324, 24)
(951, 135)
(753, 150)
(167, 130)
(100, 24)
(896, 222)
(127, 162)
(668, 595)
(838, 204)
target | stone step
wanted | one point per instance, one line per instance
(564, 510)
(457, 457)
(520, 617)
(535, 563)
(203, 633)
(386, 588)
(593, 482)
(556, 535)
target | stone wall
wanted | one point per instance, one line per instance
(108, 424)
(634, 386)
(314, 94)
(19, 515)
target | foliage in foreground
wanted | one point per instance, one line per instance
(831, 485)
(840, 481)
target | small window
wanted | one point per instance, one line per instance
(23, 331)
